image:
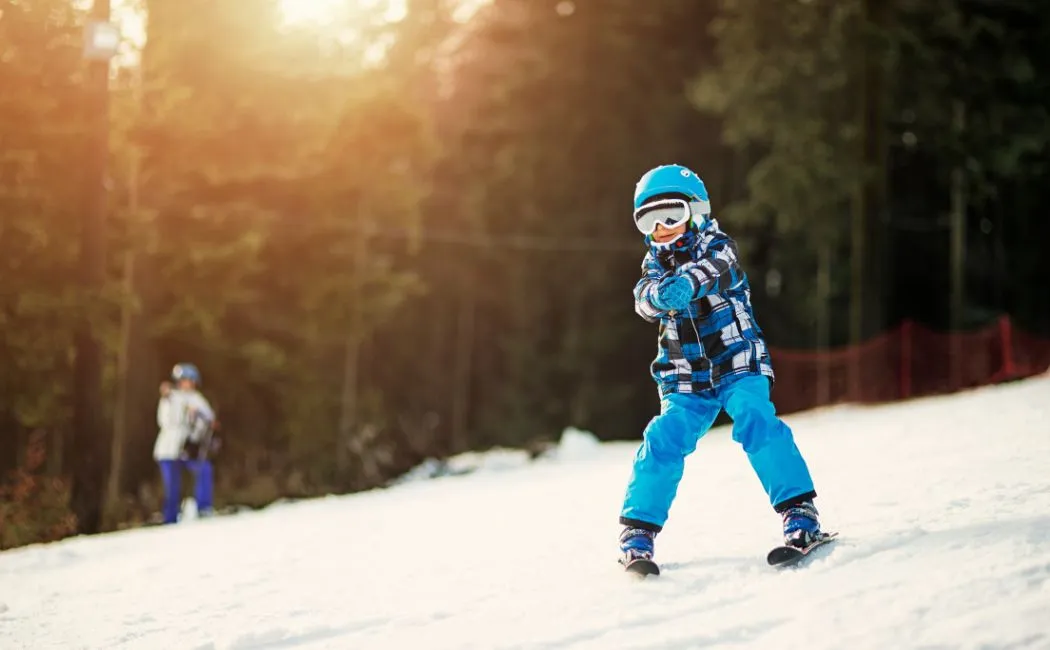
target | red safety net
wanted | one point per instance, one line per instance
(908, 361)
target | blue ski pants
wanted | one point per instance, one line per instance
(171, 473)
(684, 418)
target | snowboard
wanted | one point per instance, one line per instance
(786, 556)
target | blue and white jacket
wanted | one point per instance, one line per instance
(718, 341)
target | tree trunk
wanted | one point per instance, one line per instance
(858, 257)
(823, 324)
(348, 411)
(958, 250)
(867, 308)
(464, 362)
(88, 451)
(122, 404)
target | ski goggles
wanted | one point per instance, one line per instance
(669, 213)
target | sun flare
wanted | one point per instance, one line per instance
(304, 12)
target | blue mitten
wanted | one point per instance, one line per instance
(674, 293)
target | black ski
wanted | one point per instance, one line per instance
(641, 567)
(785, 556)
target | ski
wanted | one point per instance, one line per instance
(641, 567)
(786, 556)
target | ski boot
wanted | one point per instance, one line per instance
(637, 547)
(801, 525)
(802, 534)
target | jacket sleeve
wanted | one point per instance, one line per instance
(202, 408)
(645, 289)
(168, 413)
(717, 270)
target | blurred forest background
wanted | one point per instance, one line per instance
(393, 232)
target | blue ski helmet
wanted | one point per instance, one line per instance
(186, 371)
(671, 179)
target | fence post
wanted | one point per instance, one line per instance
(905, 370)
(823, 380)
(1006, 340)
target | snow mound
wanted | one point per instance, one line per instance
(574, 445)
(492, 460)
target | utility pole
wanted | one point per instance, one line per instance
(87, 451)
(122, 404)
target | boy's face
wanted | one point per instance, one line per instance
(186, 384)
(664, 234)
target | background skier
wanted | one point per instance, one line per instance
(185, 419)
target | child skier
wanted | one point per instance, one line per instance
(185, 419)
(711, 356)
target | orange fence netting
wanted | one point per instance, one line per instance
(908, 361)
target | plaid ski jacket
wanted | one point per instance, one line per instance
(718, 341)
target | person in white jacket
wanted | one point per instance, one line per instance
(185, 419)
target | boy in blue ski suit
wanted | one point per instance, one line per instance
(711, 356)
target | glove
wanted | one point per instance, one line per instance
(191, 450)
(674, 293)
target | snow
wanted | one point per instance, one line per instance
(943, 505)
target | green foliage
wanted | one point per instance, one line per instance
(40, 139)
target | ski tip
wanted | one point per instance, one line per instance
(642, 568)
(785, 556)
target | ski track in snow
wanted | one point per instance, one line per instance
(943, 506)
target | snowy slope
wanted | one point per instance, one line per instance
(943, 504)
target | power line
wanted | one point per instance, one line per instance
(534, 242)
(514, 241)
